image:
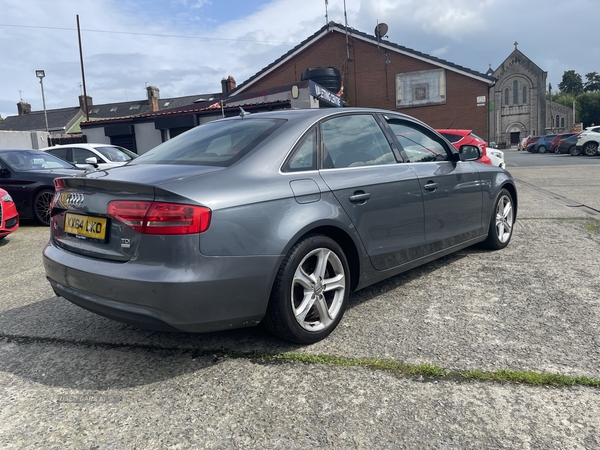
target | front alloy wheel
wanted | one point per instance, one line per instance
(573, 151)
(502, 222)
(41, 206)
(310, 292)
(541, 149)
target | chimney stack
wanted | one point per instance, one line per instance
(231, 84)
(23, 108)
(228, 84)
(82, 104)
(153, 96)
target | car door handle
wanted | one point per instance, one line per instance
(359, 197)
(431, 186)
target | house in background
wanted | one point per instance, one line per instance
(60, 121)
(64, 123)
(520, 105)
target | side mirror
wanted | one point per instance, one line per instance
(469, 153)
(92, 160)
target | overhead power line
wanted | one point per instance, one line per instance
(143, 34)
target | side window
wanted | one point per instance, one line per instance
(418, 144)
(61, 153)
(304, 156)
(80, 154)
(355, 140)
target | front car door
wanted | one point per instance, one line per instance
(452, 190)
(381, 196)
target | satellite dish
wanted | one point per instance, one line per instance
(381, 30)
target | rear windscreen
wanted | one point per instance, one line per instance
(219, 143)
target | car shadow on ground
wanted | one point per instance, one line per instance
(56, 343)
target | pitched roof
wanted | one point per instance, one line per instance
(334, 26)
(63, 119)
(58, 120)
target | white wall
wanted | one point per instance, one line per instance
(24, 139)
(96, 135)
(146, 137)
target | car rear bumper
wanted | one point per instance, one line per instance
(224, 293)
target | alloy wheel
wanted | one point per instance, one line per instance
(504, 218)
(318, 289)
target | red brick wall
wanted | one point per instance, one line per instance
(369, 82)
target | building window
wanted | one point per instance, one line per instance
(557, 120)
(524, 94)
(515, 92)
(506, 96)
(562, 122)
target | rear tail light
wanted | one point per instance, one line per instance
(59, 185)
(161, 218)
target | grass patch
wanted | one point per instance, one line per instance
(426, 372)
(592, 225)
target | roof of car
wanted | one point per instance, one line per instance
(454, 131)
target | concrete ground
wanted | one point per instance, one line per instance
(71, 379)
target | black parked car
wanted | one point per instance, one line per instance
(28, 176)
(567, 145)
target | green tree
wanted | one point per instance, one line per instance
(588, 108)
(593, 82)
(571, 83)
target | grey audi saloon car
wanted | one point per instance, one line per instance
(272, 217)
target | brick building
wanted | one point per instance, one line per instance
(380, 74)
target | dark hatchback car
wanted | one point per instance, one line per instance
(28, 176)
(556, 141)
(568, 145)
(274, 217)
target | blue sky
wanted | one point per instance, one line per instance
(185, 47)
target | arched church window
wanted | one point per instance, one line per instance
(515, 92)
(562, 122)
(506, 96)
(524, 94)
(557, 120)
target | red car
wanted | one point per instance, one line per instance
(9, 219)
(467, 137)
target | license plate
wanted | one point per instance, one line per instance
(85, 226)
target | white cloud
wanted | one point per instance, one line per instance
(471, 33)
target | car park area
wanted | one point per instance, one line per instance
(532, 307)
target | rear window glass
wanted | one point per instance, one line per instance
(454, 138)
(116, 154)
(219, 143)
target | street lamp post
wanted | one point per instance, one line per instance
(40, 74)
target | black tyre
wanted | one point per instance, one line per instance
(541, 149)
(41, 206)
(590, 149)
(573, 151)
(501, 223)
(311, 291)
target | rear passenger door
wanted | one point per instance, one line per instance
(381, 196)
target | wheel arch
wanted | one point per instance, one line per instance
(513, 193)
(344, 240)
